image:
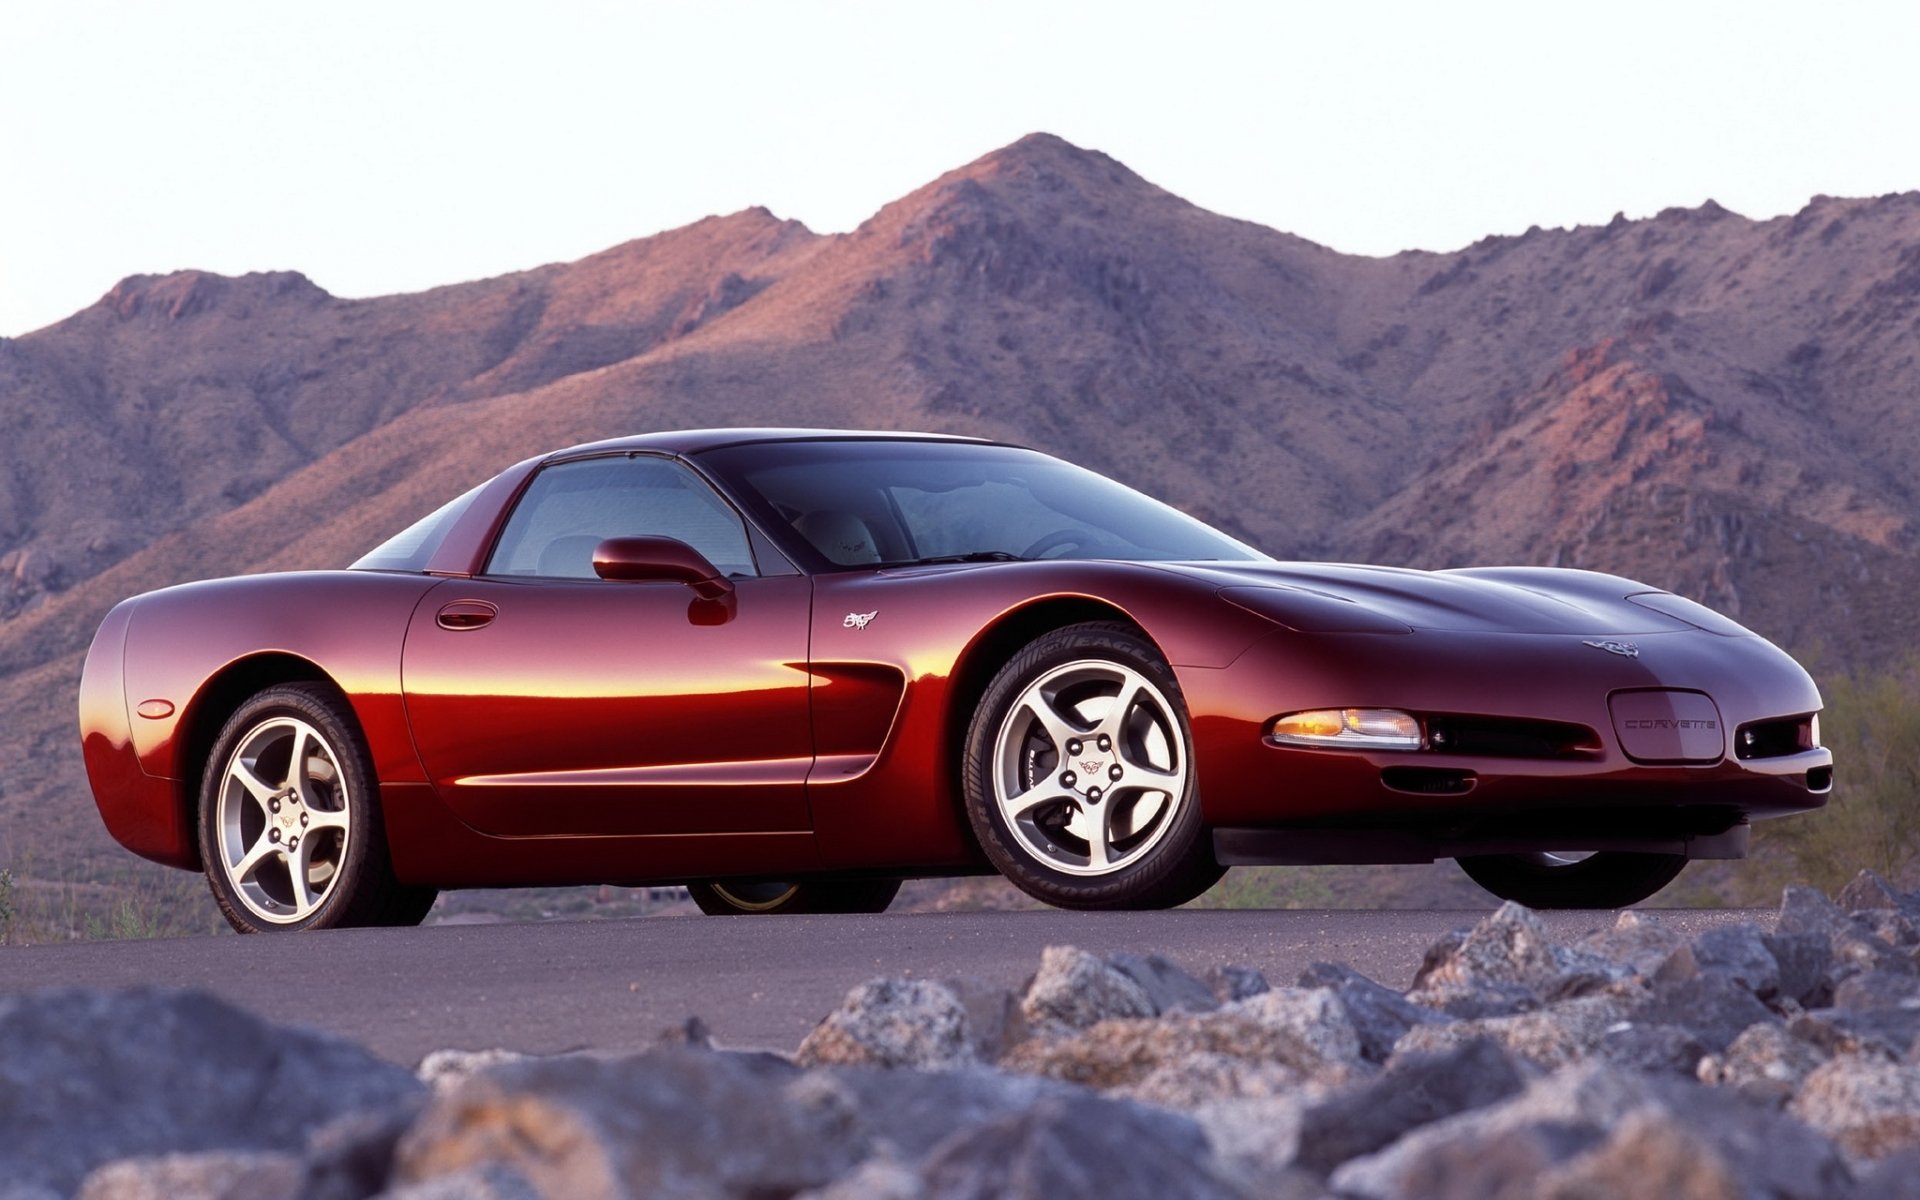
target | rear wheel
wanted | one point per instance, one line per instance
(1546, 879)
(1079, 774)
(290, 828)
(737, 898)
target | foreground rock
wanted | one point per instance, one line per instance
(1631, 1062)
(87, 1077)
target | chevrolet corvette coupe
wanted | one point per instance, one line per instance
(789, 668)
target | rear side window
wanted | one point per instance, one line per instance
(412, 548)
(571, 507)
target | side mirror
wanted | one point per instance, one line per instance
(655, 559)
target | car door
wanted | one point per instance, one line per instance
(545, 700)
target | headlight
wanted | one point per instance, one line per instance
(1360, 728)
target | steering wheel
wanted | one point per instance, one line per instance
(1059, 539)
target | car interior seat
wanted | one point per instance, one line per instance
(844, 538)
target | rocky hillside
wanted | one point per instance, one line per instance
(1710, 403)
(1747, 1061)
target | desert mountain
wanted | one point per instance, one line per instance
(1710, 403)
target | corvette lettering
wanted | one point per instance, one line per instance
(1670, 723)
(859, 620)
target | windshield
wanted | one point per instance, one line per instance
(872, 502)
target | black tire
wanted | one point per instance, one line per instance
(1607, 879)
(1170, 859)
(735, 898)
(331, 800)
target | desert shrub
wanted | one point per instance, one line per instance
(8, 909)
(1872, 724)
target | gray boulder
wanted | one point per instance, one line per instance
(1478, 1163)
(1713, 1006)
(1646, 1155)
(1078, 1146)
(892, 1023)
(908, 1113)
(1895, 1177)
(1553, 1139)
(1884, 1035)
(1549, 1038)
(1804, 960)
(1890, 925)
(667, 1124)
(1875, 1013)
(1765, 1064)
(443, 1070)
(994, 1019)
(1168, 988)
(1645, 1046)
(352, 1158)
(1416, 1090)
(1254, 1047)
(1869, 891)
(211, 1175)
(1854, 946)
(1578, 1101)
(1078, 990)
(1314, 1017)
(1510, 947)
(1380, 1016)
(490, 1182)
(1879, 991)
(1637, 942)
(88, 1077)
(1869, 1108)
(1738, 952)
(1232, 982)
(882, 1178)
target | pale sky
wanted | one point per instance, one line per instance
(390, 146)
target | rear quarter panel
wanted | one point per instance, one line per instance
(180, 642)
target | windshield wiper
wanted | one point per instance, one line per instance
(971, 556)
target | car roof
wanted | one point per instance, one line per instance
(695, 441)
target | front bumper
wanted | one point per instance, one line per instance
(1285, 804)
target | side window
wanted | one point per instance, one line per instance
(571, 507)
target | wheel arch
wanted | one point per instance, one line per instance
(992, 647)
(221, 696)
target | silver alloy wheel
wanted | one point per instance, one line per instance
(1089, 767)
(283, 820)
(754, 897)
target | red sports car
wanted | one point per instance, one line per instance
(789, 668)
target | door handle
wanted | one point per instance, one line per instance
(466, 614)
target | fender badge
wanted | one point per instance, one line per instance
(1623, 649)
(859, 620)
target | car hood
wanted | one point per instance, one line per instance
(1339, 597)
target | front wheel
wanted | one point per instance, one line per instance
(1079, 774)
(290, 827)
(731, 898)
(1605, 879)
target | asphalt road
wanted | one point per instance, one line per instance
(759, 982)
